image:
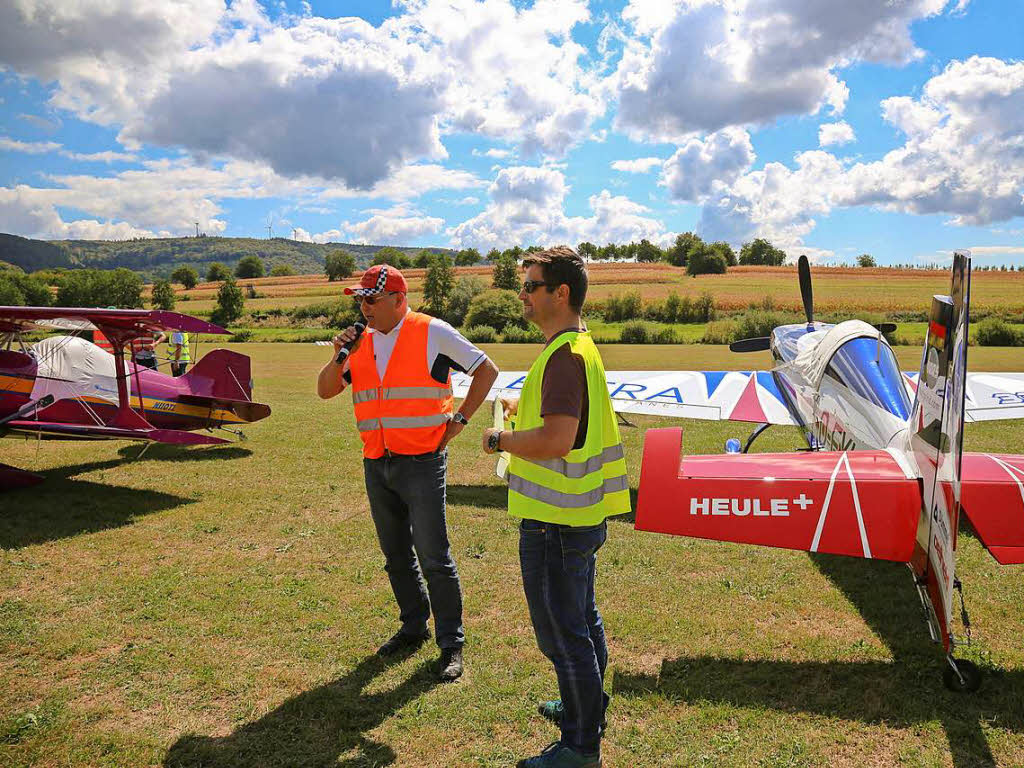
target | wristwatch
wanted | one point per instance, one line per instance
(493, 440)
(458, 418)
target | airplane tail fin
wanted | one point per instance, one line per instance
(222, 375)
(937, 433)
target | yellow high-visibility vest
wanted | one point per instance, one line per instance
(589, 483)
(186, 354)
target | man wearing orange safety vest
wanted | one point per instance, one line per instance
(404, 410)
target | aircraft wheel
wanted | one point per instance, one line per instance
(968, 671)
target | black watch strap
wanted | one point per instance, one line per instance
(460, 419)
(494, 440)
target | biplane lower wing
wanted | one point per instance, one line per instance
(751, 396)
(53, 429)
(860, 503)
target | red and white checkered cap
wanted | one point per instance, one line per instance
(378, 279)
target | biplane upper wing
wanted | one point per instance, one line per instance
(858, 503)
(751, 396)
(988, 396)
(21, 319)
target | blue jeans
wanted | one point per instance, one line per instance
(407, 502)
(559, 563)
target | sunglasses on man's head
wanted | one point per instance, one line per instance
(529, 286)
(371, 300)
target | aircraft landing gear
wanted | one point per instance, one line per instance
(961, 675)
(241, 435)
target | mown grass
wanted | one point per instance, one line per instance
(220, 607)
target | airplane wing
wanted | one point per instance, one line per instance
(21, 319)
(859, 503)
(98, 431)
(711, 395)
(988, 397)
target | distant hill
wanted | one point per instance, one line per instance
(157, 257)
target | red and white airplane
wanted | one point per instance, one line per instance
(884, 475)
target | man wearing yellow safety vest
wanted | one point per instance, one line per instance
(401, 392)
(180, 354)
(566, 475)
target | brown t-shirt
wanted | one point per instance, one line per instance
(563, 389)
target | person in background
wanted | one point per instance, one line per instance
(144, 350)
(567, 473)
(399, 370)
(179, 352)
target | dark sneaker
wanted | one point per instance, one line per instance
(557, 755)
(400, 641)
(552, 710)
(451, 665)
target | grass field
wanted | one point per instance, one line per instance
(835, 289)
(220, 607)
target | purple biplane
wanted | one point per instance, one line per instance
(65, 387)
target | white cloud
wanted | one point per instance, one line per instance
(693, 172)
(640, 165)
(963, 156)
(28, 147)
(527, 207)
(707, 64)
(393, 226)
(996, 250)
(835, 133)
(500, 154)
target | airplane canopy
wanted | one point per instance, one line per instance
(71, 367)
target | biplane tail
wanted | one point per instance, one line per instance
(223, 378)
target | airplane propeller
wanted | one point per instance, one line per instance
(804, 271)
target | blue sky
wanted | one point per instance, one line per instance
(831, 128)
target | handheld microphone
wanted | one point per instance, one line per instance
(346, 349)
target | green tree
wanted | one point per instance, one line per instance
(282, 270)
(100, 288)
(762, 252)
(392, 257)
(230, 303)
(866, 260)
(496, 309)
(460, 297)
(217, 272)
(438, 285)
(493, 255)
(249, 267)
(587, 251)
(186, 276)
(18, 289)
(724, 250)
(505, 274)
(163, 295)
(339, 263)
(646, 252)
(422, 260)
(467, 257)
(705, 261)
(678, 254)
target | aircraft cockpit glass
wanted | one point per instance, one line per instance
(869, 369)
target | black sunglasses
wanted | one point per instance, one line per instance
(529, 286)
(371, 300)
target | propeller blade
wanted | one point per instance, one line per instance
(760, 344)
(804, 270)
(886, 327)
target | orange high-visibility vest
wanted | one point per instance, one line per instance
(406, 413)
(101, 341)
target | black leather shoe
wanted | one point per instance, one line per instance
(451, 665)
(400, 641)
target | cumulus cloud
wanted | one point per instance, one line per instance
(393, 226)
(28, 147)
(835, 133)
(693, 172)
(640, 165)
(336, 98)
(528, 206)
(963, 156)
(708, 64)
